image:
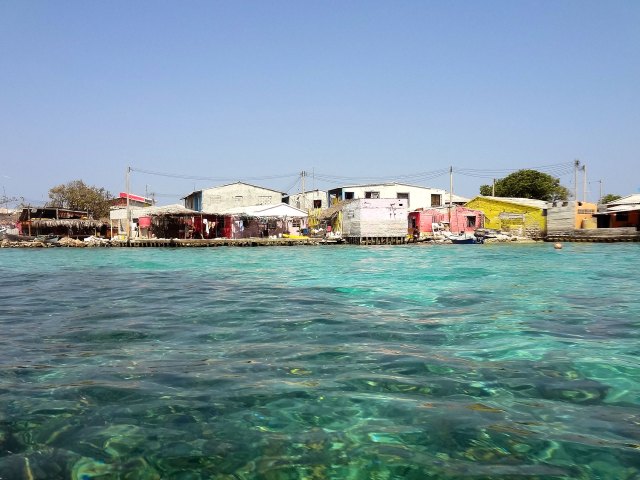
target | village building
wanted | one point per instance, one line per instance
(374, 221)
(63, 222)
(621, 213)
(425, 224)
(314, 202)
(582, 221)
(224, 197)
(414, 196)
(134, 200)
(524, 217)
(168, 221)
(563, 217)
(310, 200)
(264, 221)
(177, 221)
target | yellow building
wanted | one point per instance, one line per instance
(519, 216)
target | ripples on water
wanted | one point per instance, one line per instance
(443, 362)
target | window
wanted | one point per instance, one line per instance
(371, 194)
(436, 200)
(238, 199)
(622, 216)
(403, 196)
(471, 222)
(349, 196)
(264, 200)
(317, 204)
(295, 222)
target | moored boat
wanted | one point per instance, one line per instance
(465, 239)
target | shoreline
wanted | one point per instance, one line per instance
(268, 242)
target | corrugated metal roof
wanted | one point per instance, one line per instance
(629, 199)
(174, 209)
(527, 202)
(455, 198)
(623, 208)
(234, 183)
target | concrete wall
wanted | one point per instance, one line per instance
(375, 218)
(305, 202)
(597, 235)
(568, 216)
(220, 199)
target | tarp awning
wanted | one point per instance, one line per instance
(277, 210)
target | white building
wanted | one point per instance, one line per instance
(308, 200)
(375, 218)
(415, 196)
(224, 197)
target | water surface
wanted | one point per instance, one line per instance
(417, 361)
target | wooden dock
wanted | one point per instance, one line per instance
(216, 242)
(376, 240)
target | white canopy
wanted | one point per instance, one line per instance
(277, 210)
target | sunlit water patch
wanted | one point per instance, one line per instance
(444, 362)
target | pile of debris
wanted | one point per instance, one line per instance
(70, 242)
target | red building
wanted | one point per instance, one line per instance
(455, 219)
(134, 201)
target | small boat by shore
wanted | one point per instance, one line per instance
(465, 239)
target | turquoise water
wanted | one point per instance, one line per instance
(404, 362)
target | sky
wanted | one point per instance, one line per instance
(195, 94)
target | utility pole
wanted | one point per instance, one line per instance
(493, 189)
(584, 183)
(450, 194)
(600, 189)
(600, 197)
(127, 187)
(576, 166)
(304, 199)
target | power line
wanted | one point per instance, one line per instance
(212, 179)
(558, 169)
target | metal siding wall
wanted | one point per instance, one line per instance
(375, 218)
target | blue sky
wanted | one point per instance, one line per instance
(351, 92)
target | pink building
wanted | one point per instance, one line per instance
(437, 219)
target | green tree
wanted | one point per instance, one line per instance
(76, 195)
(528, 184)
(610, 197)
